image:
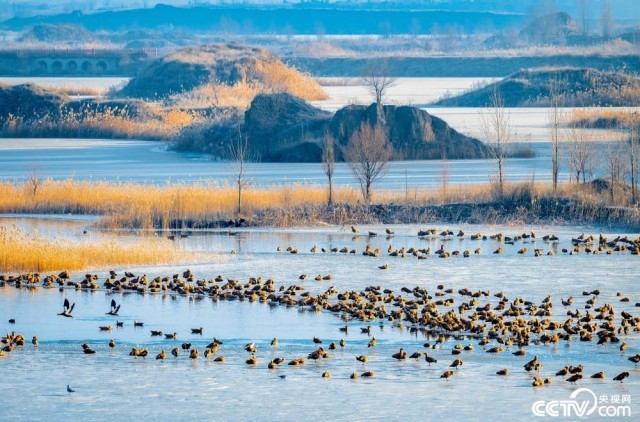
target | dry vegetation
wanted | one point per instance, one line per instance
(601, 118)
(276, 77)
(158, 124)
(129, 205)
(21, 252)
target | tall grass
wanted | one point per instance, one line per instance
(21, 252)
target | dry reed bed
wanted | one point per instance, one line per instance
(131, 205)
(20, 252)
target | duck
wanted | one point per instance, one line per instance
(105, 328)
(372, 342)
(138, 323)
(317, 340)
(161, 356)
(599, 375)
(171, 336)
(429, 359)
(252, 361)
(250, 347)
(156, 333)
(401, 355)
(35, 341)
(194, 354)
(112, 343)
(456, 363)
(367, 374)
(343, 342)
(66, 312)
(503, 372)
(326, 374)
(361, 358)
(537, 382)
(196, 331)
(219, 359)
(274, 342)
(175, 352)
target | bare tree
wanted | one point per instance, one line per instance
(34, 180)
(554, 121)
(329, 161)
(377, 79)
(581, 152)
(367, 154)
(634, 159)
(238, 153)
(584, 8)
(496, 126)
(606, 18)
(615, 168)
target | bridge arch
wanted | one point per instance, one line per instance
(72, 66)
(42, 66)
(101, 66)
(86, 66)
(56, 66)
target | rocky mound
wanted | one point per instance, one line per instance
(554, 28)
(228, 64)
(574, 87)
(29, 101)
(283, 128)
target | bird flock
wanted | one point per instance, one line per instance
(491, 323)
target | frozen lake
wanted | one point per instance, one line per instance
(185, 389)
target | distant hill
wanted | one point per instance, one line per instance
(575, 88)
(281, 20)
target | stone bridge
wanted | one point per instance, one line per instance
(71, 62)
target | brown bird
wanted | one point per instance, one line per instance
(503, 372)
(373, 342)
(161, 355)
(194, 354)
(175, 352)
(326, 374)
(446, 375)
(429, 359)
(367, 374)
(252, 361)
(599, 375)
(35, 341)
(112, 343)
(361, 358)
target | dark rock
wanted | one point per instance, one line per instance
(284, 128)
